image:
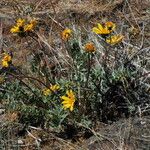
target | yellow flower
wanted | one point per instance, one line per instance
(20, 22)
(34, 22)
(101, 30)
(89, 47)
(104, 30)
(15, 29)
(66, 34)
(6, 60)
(114, 39)
(5, 64)
(52, 88)
(7, 57)
(69, 100)
(29, 27)
(110, 26)
(21, 27)
(46, 92)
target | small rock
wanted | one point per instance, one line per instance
(20, 142)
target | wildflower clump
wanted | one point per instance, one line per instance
(66, 34)
(22, 27)
(6, 60)
(105, 29)
(69, 100)
(52, 88)
(19, 27)
(89, 47)
(115, 39)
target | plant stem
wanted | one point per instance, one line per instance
(86, 101)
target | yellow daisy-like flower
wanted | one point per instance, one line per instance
(110, 26)
(69, 100)
(101, 30)
(52, 88)
(20, 22)
(34, 22)
(22, 27)
(114, 39)
(7, 57)
(15, 29)
(19, 27)
(46, 92)
(66, 34)
(89, 47)
(6, 60)
(5, 64)
(104, 29)
(29, 27)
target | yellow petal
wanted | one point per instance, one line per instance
(65, 98)
(14, 29)
(7, 58)
(67, 92)
(66, 102)
(100, 27)
(96, 30)
(55, 87)
(110, 26)
(66, 34)
(20, 22)
(34, 22)
(4, 63)
(67, 105)
(71, 108)
(28, 27)
(114, 39)
(46, 92)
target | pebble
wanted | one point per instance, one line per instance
(20, 142)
